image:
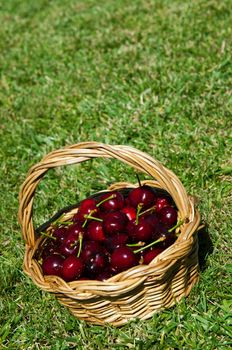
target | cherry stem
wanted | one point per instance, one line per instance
(106, 199)
(139, 207)
(63, 223)
(139, 244)
(147, 210)
(161, 239)
(93, 218)
(80, 245)
(87, 217)
(179, 223)
(47, 235)
(140, 185)
(58, 219)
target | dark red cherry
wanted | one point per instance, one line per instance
(149, 255)
(96, 264)
(60, 233)
(116, 241)
(72, 268)
(114, 222)
(70, 245)
(53, 265)
(168, 216)
(104, 275)
(49, 248)
(95, 231)
(112, 204)
(130, 212)
(170, 237)
(139, 232)
(161, 202)
(87, 207)
(89, 249)
(153, 219)
(142, 195)
(123, 258)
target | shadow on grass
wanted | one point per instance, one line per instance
(205, 247)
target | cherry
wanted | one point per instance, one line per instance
(116, 241)
(53, 265)
(112, 204)
(114, 222)
(149, 255)
(168, 216)
(123, 258)
(96, 264)
(87, 207)
(71, 243)
(170, 237)
(49, 248)
(72, 268)
(142, 195)
(59, 233)
(90, 248)
(141, 231)
(153, 219)
(95, 231)
(130, 212)
(161, 202)
(105, 275)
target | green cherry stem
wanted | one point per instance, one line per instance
(178, 224)
(93, 218)
(64, 223)
(139, 207)
(80, 245)
(47, 235)
(147, 210)
(161, 239)
(139, 244)
(106, 199)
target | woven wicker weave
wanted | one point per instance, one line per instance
(141, 290)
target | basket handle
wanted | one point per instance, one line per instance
(82, 152)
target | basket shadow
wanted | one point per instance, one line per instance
(205, 247)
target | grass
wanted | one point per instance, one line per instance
(152, 74)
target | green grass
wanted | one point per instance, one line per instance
(155, 75)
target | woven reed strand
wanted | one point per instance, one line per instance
(141, 290)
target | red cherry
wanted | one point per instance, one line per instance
(123, 258)
(95, 231)
(170, 237)
(60, 233)
(72, 268)
(168, 216)
(70, 245)
(114, 222)
(96, 264)
(105, 275)
(89, 249)
(53, 265)
(141, 231)
(112, 204)
(143, 195)
(116, 241)
(161, 202)
(87, 207)
(49, 248)
(130, 212)
(149, 255)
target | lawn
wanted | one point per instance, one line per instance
(153, 74)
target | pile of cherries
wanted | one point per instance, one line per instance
(109, 235)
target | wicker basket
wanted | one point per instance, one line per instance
(141, 290)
